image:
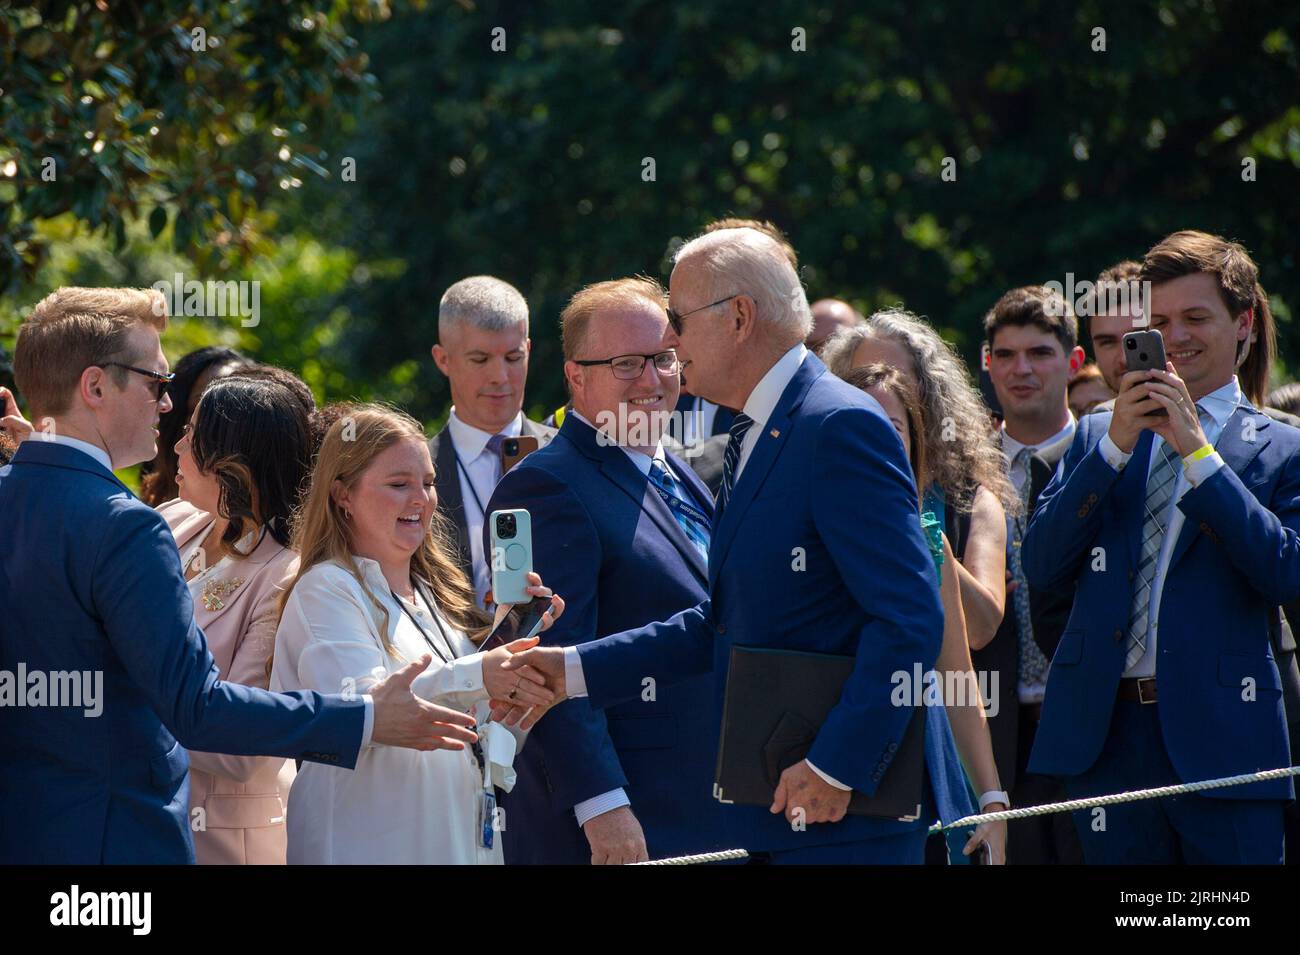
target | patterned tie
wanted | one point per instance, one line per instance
(692, 525)
(1033, 665)
(1160, 492)
(731, 461)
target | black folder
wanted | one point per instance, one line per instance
(776, 701)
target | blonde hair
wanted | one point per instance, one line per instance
(73, 329)
(322, 533)
(577, 315)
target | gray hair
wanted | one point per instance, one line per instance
(960, 450)
(748, 262)
(484, 302)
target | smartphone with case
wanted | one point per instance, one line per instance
(514, 450)
(512, 555)
(1144, 351)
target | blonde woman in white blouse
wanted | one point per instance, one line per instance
(376, 590)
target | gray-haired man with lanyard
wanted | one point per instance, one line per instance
(483, 350)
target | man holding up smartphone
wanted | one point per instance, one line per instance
(483, 349)
(1177, 515)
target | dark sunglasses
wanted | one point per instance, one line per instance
(630, 367)
(159, 383)
(675, 318)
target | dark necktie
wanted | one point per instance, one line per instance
(731, 460)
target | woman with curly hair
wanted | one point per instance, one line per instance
(968, 490)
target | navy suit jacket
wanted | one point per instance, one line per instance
(1236, 559)
(820, 549)
(604, 539)
(90, 580)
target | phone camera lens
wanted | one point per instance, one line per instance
(511, 447)
(1131, 344)
(506, 526)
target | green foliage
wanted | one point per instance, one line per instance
(528, 163)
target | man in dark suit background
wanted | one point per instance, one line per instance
(91, 586)
(483, 349)
(621, 529)
(1032, 336)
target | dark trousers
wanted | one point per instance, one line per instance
(1175, 830)
(1039, 840)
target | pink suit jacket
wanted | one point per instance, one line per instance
(242, 798)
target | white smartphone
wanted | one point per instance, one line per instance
(512, 555)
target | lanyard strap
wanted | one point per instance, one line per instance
(470, 481)
(424, 633)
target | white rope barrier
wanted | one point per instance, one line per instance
(1115, 798)
(703, 857)
(1027, 812)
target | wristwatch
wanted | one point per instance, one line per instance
(992, 796)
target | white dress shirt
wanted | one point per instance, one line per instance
(697, 421)
(483, 468)
(1219, 406)
(398, 806)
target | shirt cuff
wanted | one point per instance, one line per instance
(575, 684)
(599, 805)
(1112, 454)
(831, 780)
(369, 726)
(1203, 468)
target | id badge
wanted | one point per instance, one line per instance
(486, 819)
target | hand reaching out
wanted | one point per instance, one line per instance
(403, 719)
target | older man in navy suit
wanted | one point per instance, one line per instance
(91, 586)
(816, 546)
(621, 528)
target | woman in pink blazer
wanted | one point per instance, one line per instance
(243, 460)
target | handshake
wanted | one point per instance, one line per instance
(522, 681)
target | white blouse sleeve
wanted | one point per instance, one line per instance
(329, 640)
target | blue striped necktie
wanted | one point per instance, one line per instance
(695, 529)
(740, 426)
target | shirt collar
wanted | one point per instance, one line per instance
(469, 441)
(85, 447)
(1048, 449)
(641, 460)
(762, 400)
(1220, 403)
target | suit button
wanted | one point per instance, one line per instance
(892, 747)
(1082, 512)
(722, 628)
(1119, 635)
(1092, 498)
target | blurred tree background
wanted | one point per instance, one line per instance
(1078, 136)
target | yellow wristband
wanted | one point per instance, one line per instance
(1202, 452)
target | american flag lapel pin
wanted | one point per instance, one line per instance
(775, 433)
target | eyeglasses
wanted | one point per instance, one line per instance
(675, 318)
(160, 381)
(630, 367)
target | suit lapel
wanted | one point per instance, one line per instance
(761, 458)
(617, 468)
(1237, 452)
(446, 481)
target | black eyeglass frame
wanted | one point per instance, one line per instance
(588, 362)
(160, 381)
(675, 318)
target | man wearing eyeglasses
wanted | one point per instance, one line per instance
(816, 547)
(623, 527)
(98, 634)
